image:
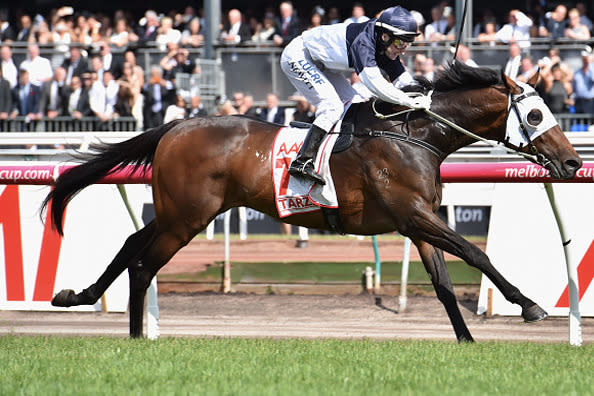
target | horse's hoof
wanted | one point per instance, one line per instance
(64, 298)
(534, 314)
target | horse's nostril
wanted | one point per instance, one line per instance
(573, 164)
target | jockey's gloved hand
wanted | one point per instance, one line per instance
(421, 102)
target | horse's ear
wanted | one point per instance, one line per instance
(511, 85)
(534, 79)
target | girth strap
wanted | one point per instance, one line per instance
(404, 138)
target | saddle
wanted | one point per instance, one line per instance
(347, 129)
(344, 141)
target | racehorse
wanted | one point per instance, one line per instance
(388, 180)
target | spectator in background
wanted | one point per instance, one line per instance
(437, 27)
(235, 31)
(167, 34)
(131, 82)
(555, 57)
(583, 84)
(40, 69)
(317, 17)
(512, 66)
(176, 61)
(333, 16)
(247, 107)
(418, 62)
(287, 25)
(25, 98)
(556, 91)
(137, 71)
(192, 36)
(304, 111)
(158, 95)
(175, 111)
(62, 39)
(486, 16)
(272, 113)
(40, 33)
(517, 30)
(429, 69)
(122, 35)
(464, 56)
(97, 67)
(78, 101)
(450, 17)
(420, 23)
(584, 20)
(75, 65)
(9, 70)
(5, 97)
(7, 33)
(527, 69)
(225, 108)
(196, 107)
(112, 90)
(266, 31)
(238, 98)
(489, 36)
(25, 28)
(97, 99)
(357, 14)
(94, 30)
(148, 28)
(575, 30)
(80, 33)
(54, 95)
(555, 25)
(110, 62)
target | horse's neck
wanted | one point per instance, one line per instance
(484, 118)
(481, 111)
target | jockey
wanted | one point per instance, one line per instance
(315, 61)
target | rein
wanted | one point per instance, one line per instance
(535, 157)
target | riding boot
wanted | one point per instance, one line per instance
(303, 165)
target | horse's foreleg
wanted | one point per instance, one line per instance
(429, 227)
(131, 251)
(435, 265)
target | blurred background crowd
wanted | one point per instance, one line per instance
(73, 64)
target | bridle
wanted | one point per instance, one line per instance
(537, 158)
(534, 155)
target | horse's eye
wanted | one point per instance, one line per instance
(534, 117)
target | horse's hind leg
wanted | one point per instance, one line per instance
(427, 226)
(141, 272)
(130, 252)
(435, 265)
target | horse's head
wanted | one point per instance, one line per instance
(532, 128)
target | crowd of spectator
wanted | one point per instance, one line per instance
(83, 78)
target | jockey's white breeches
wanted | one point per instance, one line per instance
(327, 90)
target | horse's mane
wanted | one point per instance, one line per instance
(458, 75)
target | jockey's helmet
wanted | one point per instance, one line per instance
(397, 23)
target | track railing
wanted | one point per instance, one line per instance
(450, 173)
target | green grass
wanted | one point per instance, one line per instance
(110, 366)
(296, 272)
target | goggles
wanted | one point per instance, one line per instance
(400, 44)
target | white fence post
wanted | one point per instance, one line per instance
(575, 320)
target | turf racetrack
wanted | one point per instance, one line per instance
(235, 366)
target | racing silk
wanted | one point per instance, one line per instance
(353, 47)
(349, 47)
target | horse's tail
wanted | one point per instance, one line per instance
(104, 160)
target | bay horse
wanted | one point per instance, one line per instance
(387, 181)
